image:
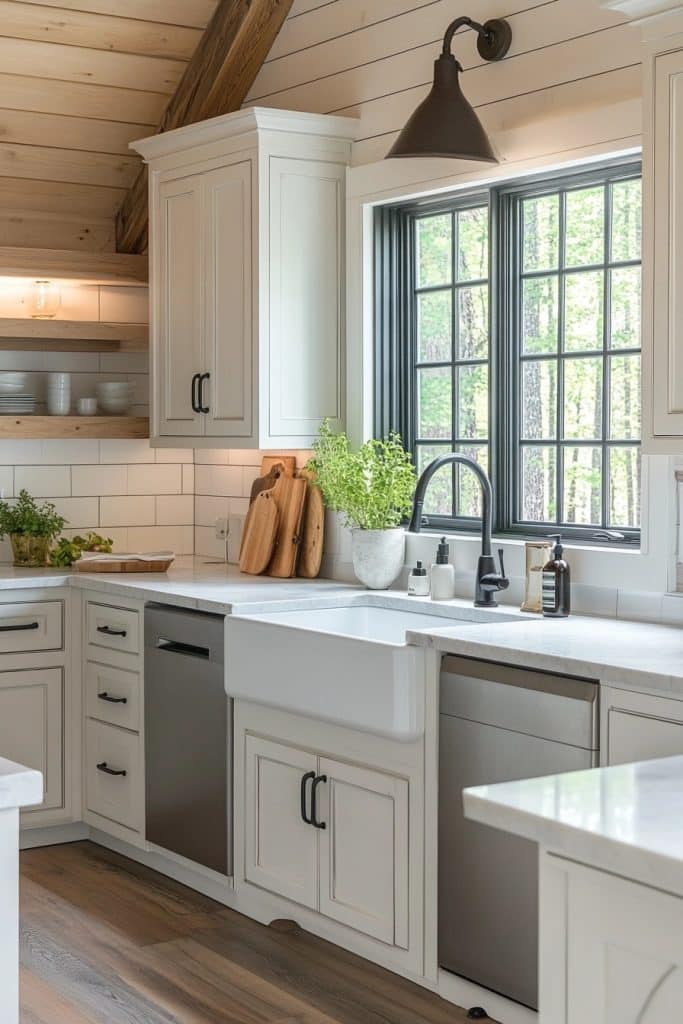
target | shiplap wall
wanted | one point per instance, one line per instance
(373, 59)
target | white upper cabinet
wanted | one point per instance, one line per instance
(661, 24)
(247, 243)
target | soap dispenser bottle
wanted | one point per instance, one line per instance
(418, 581)
(443, 575)
(556, 583)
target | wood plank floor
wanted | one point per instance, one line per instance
(107, 941)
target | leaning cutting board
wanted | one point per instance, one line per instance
(312, 533)
(260, 534)
(289, 494)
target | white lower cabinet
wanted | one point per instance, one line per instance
(639, 726)
(113, 774)
(622, 961)
(32, 727)
(281, 849)
(329, 835)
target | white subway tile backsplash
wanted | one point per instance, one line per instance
(246, 457)
(125, 451)
(175, 510)
(129, 510)
(179, 539)
(249, 474)
(219, 480)
(43, 481)
(99, 480)
(211, 457)
(20, 453)
(6, 481)
(65, 452)
(155, 479)
(182, 455)
(80, 513)
(207, 545)
(188, 479)
(207, 510)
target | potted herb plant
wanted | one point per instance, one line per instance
(373, 488)
(31, 529)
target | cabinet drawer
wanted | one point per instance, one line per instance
(115, 629)
(118, 797)
(31, 626)
(113, 695)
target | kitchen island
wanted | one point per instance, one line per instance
(611, 887)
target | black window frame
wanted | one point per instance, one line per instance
(395, 407)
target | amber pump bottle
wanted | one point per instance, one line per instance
(556, 583)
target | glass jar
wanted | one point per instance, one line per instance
(45, 300)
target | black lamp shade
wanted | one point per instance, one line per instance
(444, 124)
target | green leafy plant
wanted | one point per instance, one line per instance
(373, 487)
(26, 518)
(69, 551)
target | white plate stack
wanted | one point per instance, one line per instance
(13, 399)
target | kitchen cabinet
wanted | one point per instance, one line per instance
(247, 217)
(615, 955)
(31, 728)
(639, 726)
(661, 24)
(329, 835)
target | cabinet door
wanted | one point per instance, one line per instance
(665, 205)
(281, 849)
(178, 314)
(641, 726)
(625, 962)
(364, 850)
(305, 352)
(31, 726)
(229, 323)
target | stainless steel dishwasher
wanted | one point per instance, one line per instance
(499, 724)
(188, 736)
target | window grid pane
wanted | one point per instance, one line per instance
(452, 353)
(589, 382)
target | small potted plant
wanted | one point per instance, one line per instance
(373, 488)
(31, 529)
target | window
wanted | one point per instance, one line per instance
(508, 328)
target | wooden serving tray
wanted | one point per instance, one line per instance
(125, 565)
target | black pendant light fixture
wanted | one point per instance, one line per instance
(444, 124)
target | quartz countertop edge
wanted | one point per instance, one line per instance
(624, 819)
(19, 786)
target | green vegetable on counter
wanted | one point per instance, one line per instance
(69, 550)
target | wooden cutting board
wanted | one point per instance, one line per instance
(269, 461)
(312, 534)
(122, 565)
(289, 494)
(266, 482)
(260, 534)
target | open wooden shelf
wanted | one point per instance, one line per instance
(72, 265)
(71, 336)
(37, 427)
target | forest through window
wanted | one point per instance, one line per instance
(522, 348)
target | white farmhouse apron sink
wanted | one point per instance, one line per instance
(348, 663)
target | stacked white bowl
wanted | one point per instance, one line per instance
(59, 394)
(12, 383)
(115, 397)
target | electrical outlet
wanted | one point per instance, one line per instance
(221, 527)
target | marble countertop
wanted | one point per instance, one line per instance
(610, 650)
(626, 819)
(19, 786)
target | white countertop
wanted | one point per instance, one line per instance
(611, 650)
(19, 786)
(627, 819)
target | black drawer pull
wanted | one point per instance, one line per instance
(20, 628)
(104, 767)
(108, 631)
(314, 788)
(194, 391)
(202, 378)
(305, 779)
(112, 700)
(176, 647)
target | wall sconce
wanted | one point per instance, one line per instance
(444, 124)
(45, 300)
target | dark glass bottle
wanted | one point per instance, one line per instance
(556, 583)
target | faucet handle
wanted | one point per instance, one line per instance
(502, 563)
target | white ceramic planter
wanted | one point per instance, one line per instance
(378, 556)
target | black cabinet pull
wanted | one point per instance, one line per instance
(104, 767)
(18, 629)
(112, 700)
(194, 392)
(108, 631)
(305, 779)
(314, 814)
(202, 378)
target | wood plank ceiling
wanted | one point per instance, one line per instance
(79, 80)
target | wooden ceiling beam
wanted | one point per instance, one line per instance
(216, 81)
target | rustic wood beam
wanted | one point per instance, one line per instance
(216, 81)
